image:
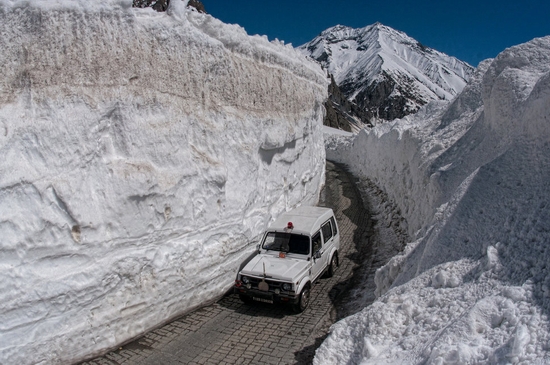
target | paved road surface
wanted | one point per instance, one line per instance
(231, 332)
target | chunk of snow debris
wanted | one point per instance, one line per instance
(517, 294)
(444, 279)
(177, 9)
(519, 344)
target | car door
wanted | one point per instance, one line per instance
(318, 261)
(335, 233)
(328, 238)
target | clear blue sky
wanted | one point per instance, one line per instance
(471, 30)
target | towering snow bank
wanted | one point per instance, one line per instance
(142, 154)
(472, 179)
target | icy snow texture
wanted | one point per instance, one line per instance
(473, 181)
(143, 153)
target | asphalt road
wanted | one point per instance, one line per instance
(231, 332)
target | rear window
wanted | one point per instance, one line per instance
(334, 225)
(286, 242)
(327, 231)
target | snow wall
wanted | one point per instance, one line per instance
(472, 179)
(143, 153)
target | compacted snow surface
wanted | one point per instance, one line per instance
(472, 179)
(143, 153)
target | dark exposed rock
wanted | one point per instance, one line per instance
(162, 5)
(387, 98)
(197, 5)
(158, 5)
(390, 97)
(342, 113)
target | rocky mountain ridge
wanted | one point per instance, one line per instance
(383, 73)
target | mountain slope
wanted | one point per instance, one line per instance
(386, 73)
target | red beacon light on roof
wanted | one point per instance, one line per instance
(290, 225)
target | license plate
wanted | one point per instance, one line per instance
(263, 300)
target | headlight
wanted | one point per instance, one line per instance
(287, 286)
(245, 280)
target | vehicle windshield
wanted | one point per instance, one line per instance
(286, 242)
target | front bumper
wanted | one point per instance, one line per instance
(267, 297)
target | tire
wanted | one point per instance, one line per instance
(304, 300)
(245, 299)
(332, 266)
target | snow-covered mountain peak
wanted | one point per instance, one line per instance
(340, 33)
(386, 72)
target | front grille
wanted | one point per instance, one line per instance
(272, 284)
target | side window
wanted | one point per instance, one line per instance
(316, 242)
(334, 225)
(327, 231)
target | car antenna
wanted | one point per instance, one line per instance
(262, 285)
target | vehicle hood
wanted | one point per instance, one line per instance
(275, 268)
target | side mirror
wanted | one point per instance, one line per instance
(258, 248)
(317, 255)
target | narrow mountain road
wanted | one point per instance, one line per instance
(231, 332)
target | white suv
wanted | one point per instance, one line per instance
(295, 251)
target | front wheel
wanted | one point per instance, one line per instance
(304, 300)
(245, 299)
(332, 266)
